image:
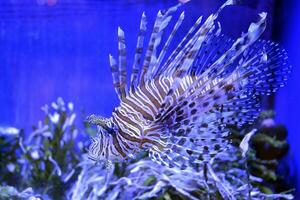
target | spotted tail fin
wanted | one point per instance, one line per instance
(198, 121)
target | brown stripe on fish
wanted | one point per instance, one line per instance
(135, 105)
(117, 146)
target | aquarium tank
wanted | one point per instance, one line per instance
(171, 99)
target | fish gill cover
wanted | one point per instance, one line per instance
(173, 134)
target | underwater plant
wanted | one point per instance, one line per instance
(137, 178)
(46, 160)
(144, 179)
(231, 175)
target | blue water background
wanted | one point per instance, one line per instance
(60, 48)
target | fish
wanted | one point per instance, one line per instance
(180, 108)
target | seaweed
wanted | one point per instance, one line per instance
(44, 159)
(51, 163)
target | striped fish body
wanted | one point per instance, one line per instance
(139, 120)
(179, 108)
(140, 117)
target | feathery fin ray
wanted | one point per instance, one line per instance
(122, 63)
(179, 109)
(138, 53)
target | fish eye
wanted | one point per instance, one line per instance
(109, 124)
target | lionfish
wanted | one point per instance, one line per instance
(179, 108)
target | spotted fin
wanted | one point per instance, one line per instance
(199, 118)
